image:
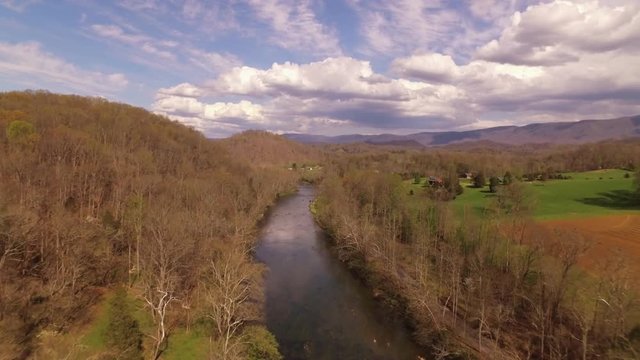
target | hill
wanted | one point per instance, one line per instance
(95, 195)
(579, 132)
(260, 148)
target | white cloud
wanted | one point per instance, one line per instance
(183, 90)
(404, 25)
(215, 119)
(213, 62)
(562, 32)
(166, 53)
(431, 67)
(141, 42)
(138, 5)
(546, 64)
(18, 5)
(333, 78)
(338, 91)
(25, 62)
(296, 27)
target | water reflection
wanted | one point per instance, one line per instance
(314, 306)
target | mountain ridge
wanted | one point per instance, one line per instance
(577, 132)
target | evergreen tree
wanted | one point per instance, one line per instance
(508, 178)
(452, 184)
(479, 180)
(123, 336)
(493, 184)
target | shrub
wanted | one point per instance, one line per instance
(261, 344)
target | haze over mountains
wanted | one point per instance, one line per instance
(553, 133)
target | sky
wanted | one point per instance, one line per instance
(332, 67)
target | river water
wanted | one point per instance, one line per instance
(315, 307)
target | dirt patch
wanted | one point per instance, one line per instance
(612, 237)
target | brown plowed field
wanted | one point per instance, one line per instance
(614, 238)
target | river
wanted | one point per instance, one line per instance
(315, 307)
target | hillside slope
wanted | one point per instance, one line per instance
(95, 194)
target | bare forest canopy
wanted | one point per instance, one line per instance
(95, 194)
(259, 148)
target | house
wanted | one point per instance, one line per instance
(435, 181)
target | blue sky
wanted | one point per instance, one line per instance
(332, 66)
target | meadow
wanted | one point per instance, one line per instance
(593, 193)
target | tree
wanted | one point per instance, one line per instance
(416, 178)
(123, 335)
(493, 184)
(637, 183)
(515, 199)
(507, 179)
(228, 286)
(21, 132)
(261, 344)
(452, 184)
(479, 180)
(162, 258)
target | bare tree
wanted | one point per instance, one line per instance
(228, 285)
(162, 258)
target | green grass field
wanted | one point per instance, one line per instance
(593, 193)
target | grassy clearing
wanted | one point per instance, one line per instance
(182, 344)
(593, 193)
(185, 345)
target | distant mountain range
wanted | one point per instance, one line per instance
(551, 133)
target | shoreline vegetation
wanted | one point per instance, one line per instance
(482, 284)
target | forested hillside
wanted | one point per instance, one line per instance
(262, 149)
(96, 195)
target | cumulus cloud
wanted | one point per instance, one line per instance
(183, 90)
(339, 91)
(214, 119)
(27, 62)
(219, 111)
(546, 64)
(562, 32)
(333, 78)
(430, 67)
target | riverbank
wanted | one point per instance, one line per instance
(441, 334)
(398, 301)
